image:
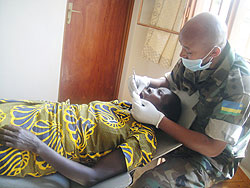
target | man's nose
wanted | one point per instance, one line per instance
(183, 53)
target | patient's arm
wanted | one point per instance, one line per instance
(108, 166)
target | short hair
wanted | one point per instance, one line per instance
(208, 29)
(172, 108)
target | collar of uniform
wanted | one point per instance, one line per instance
(225, 64)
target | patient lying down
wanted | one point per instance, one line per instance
(85, 142)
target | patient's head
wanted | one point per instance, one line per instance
(164, 100)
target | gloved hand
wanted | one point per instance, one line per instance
(137, 84)
(146, 112)
(136, 98)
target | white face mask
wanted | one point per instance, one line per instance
(195, 64)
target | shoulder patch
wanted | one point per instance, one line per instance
(231, 108)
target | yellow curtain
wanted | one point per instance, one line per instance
(160, 46)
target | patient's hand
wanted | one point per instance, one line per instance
(19, 138)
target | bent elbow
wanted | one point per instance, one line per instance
(212, 154)
(215, 149)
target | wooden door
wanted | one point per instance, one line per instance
(93, 50)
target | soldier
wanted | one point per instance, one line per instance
(216, 142)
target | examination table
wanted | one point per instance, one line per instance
(165, 145)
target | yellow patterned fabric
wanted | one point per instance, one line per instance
(82, 133)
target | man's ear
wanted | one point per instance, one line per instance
(216, 51)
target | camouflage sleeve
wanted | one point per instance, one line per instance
(182, 79)
(172, 76)
(230, 115)
(139, 148)
(170, 80)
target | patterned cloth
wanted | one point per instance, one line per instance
(81, 133)
(221, 113)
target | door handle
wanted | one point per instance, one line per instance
(70, 11)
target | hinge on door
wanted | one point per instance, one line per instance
(69, 12)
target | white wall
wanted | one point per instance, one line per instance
(31, 38)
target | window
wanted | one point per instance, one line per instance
(161, 44)
(240, 33)
(236, 14)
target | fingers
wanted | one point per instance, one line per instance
(12, 128)
(145, 102)
(137, 110)
(132, 85)
(140, 88)
(18, 138)
(9, 144)
(8, 141)
(136, 98)
(8, 134)
(6, 137)
(136, 103)
(4, 131)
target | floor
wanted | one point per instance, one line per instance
(240, 180)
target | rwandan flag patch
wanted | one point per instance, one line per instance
(231, 108)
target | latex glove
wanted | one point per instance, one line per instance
(137, 84)
(146, 112)
(136, 98)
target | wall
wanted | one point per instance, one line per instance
(31, 38)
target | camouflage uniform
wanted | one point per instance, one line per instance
(221, 113)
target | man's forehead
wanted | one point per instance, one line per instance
(192, 43)
(185, 43)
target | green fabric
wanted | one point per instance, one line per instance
(82, 133)
(229, 82)
(182, 168)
